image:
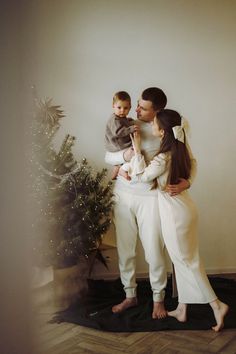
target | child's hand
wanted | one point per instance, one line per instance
(124, 174)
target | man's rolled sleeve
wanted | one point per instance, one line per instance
(115, 158)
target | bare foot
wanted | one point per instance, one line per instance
(220, 310)
(159, 310)
(180, 313)
(124, 305)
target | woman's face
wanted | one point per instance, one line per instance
(156, 130)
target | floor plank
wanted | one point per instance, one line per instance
(68, 338)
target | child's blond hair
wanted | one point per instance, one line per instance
(121, 96)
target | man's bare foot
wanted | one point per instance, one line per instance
(180, 313)
(220, 310)
(124, 305)
(159, 310)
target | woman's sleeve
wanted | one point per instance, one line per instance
(140, 172)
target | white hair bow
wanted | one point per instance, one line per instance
(178, 131)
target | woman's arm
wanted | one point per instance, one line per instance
(140, 172)
(137, 168)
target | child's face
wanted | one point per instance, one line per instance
(121, 108)
(156, 130)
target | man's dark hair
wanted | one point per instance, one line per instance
(156, 96)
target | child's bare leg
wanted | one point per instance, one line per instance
(180, 313)
(124, 305)
(115, 171)
(220, 310)
(124, 174)
(159, 310)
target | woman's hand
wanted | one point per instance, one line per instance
(128, 154)
(136, 142)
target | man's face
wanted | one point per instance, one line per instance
(145, 111)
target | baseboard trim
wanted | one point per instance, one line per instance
(222, 271)
(59, 293)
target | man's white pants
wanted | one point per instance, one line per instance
(139, 215)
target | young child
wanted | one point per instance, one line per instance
(178, 214)
(119, 126)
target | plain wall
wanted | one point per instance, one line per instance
(81, 52)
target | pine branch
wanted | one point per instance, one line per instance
(74, 201)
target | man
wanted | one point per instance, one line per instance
(136, 212)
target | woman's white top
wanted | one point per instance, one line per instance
(157, 169)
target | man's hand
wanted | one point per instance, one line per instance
(128, 154)
(124, 174)
(174, 189)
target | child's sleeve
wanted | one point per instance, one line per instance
(117, 129)
(123, 131)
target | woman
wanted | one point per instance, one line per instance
(178, 214)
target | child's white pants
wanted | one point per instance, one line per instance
(133, 215)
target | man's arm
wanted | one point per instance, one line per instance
(119, 157)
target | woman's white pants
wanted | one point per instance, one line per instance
(179, 228)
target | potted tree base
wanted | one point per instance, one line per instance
(70, 284)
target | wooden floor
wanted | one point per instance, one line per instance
(67, 338)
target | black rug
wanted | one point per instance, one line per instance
(95, 310)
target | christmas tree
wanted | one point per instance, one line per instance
(73, 202)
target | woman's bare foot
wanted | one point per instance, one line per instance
(124, 305)
(180, 313)
(159, 310)
(220, 310)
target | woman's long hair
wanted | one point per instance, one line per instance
(180, 164)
